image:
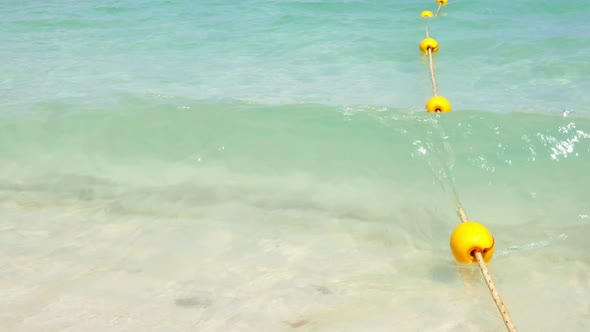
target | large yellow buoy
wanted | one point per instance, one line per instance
(429, 43)
(426, 13)
(470, 237)
(438, 104)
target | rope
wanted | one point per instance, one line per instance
(487, 276)
(438, 10)
(432, 78)
(495, 295)
(434, 91)
(462, 214)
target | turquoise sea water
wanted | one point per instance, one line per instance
(265, 165)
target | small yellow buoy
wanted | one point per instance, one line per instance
(470, 237)
(429, 43)
(438, 104)
(426, 13)
(444, 2)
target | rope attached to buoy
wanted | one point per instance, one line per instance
(440, 3)
(470, 241)
(490, 282)
(434, 90)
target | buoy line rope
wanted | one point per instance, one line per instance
(439, 7)
(434, 91)
(487, 276)
(460, 240)
(432, 77)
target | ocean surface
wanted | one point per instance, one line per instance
(268, 165)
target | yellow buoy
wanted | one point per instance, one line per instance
(470, 237)
(438, 104)
(429, 43)
(444, 2)
(426, 13)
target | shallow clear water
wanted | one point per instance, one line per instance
(268, 166)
